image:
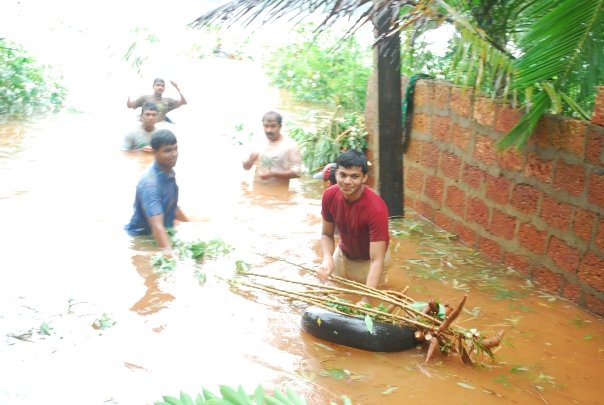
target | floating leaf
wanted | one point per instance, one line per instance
(467, 386)
(369, 323)
(336, 373)
(389, 390)
(321, 345)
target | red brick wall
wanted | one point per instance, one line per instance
(539, 210)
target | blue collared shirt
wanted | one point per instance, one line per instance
(156, 194)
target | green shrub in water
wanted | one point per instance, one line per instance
(27, 87)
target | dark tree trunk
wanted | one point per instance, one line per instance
(389, 126)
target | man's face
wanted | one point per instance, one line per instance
(159, 87)
(271, 129)
(149, 118)
(350, 181)
(166, 156)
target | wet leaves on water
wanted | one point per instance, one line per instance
(517, 369)
(588, 337)
(466, 386)
(369, 323)
(514, 321)
(340, 374)
(580, 322)
(389, 390)
(323, 346)
(105, 322)
(163, 264)
(45, 329)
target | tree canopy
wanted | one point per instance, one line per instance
(540, 55)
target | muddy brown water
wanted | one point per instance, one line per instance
(65, 193)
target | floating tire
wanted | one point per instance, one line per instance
(352, 331)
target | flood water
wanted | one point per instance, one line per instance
(66, 192)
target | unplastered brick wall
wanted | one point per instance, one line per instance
(539, 210)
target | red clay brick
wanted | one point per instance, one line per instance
(424, 209)
(569, 178)
(571, 292)
(540, 135)
(511, 159)
(507, 118)
(414, 151)
(485, 149)
(498, 189)
(594, 304)
(525, 198)
(584, 223)
(467, 235)
(421, 123)
(484, 111)
(547, 279)
(555, 213)
(435, 187)
(569, 134)
(518, 263)
(532, 239)
(450, 166)
(430, 154)
(478, 212)
(599, 240)
(595, 189)
(414, 180)
(441, 95)
(444, 221)
(564, 256)
(461, 101)
(538, 168)
(455, 200)
(472, 176)
(441, 128)
(591, 271)
(598, 115)
(490, 248)
(422, 95)
(594, 152)
(502, 225)
(461, 136)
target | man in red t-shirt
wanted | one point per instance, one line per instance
(361, 217)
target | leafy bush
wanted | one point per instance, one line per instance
(27, 87)
(231, 396)
(325, 69)
(339, 132)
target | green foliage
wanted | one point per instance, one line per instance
(28, 87)
(327, 70)
(232, 396)
(339, 132)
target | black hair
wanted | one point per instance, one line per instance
(353, 158)
(149, 105)
(158, 80)
(272, 116)
(161, 138)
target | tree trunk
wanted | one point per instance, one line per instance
(389, 156)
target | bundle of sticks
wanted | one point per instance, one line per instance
(433, 324)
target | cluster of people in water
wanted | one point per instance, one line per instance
(348, 205)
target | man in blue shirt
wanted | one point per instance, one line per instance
(156, 202)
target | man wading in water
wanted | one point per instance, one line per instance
(361, 217)
(279, 159)
(164, 104)
(156, 201)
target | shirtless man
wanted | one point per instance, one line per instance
(164, 104)
(279, 159)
